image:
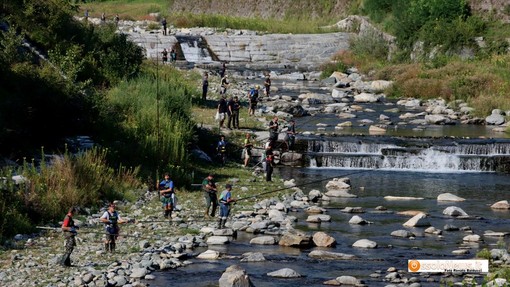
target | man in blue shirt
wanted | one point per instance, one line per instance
(166, 189)
(225, 201)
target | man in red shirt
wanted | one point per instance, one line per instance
(70, 232)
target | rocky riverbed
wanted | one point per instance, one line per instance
(149, 244)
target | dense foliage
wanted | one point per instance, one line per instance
(447, 25)
(61, 77)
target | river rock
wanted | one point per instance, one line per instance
(389, 197)
(496, 118)
(291, 159)
(223, 232)
(340, 193)
(357, 220)
(472, 238)
(380, 85)
(375, 130)
(121, 280)
(365, 243)
(410, 212)
(327, 255)
(314, 195)
(263, 240)
(419, 220)
(402, 233)
(315, 210)
(356, 209)
(339, 183)
(449, 197)
(138, 272)
(317, 218)
(348, 280)
(498, 282)
(217, 240)
(503, 204)
(284, 273)
(235, 276)
(321, 239)
(295, 238)
(367, 98)
(454, 211)
(209, 255)
(253, 257)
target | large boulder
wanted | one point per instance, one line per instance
(321, 239)
(454, 211)
(339, 183)
(365, 243)
(263, 240)
(419, 220)
(209, 255)
(503, 204)
(235, 276)
(218, 240)
(326, 255)
(295, 238)
(284, 273)
(496, 118)
(449, 197)
(367, 98)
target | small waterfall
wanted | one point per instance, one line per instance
(414, 155)
(194, 49)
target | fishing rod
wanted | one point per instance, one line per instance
(95, 232)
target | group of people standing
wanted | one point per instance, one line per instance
(172, 54)
(211, 200)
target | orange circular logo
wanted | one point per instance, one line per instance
(413, 265)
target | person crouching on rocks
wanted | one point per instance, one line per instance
(112, 220)
(70, 232)
(166, 189)
(225, 201)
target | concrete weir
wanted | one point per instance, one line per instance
(301, 51)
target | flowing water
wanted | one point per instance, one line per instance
(479, 189)
(425, 162)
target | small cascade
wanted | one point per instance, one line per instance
(194, 49)
(412, 154)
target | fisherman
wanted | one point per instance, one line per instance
(224, 85)
(209, 188)
(112, 219)
(221, 148)
(166, 190)
(222, 110)
(290, 136)
(225, 201)
(233, 112)
(269, 162)
(165, 55)
(253, 98)
(70, 232)
(163, 23)
(267, 85)
(273, 131)
(205, 86)
(247, 149)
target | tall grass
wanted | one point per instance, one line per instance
(74, 180)
(152, 138)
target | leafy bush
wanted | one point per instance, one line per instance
(370, 43)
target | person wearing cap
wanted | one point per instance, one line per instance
(225, 201)
(166, 190)
(210, 195)
(253, 97)
(111, 219)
